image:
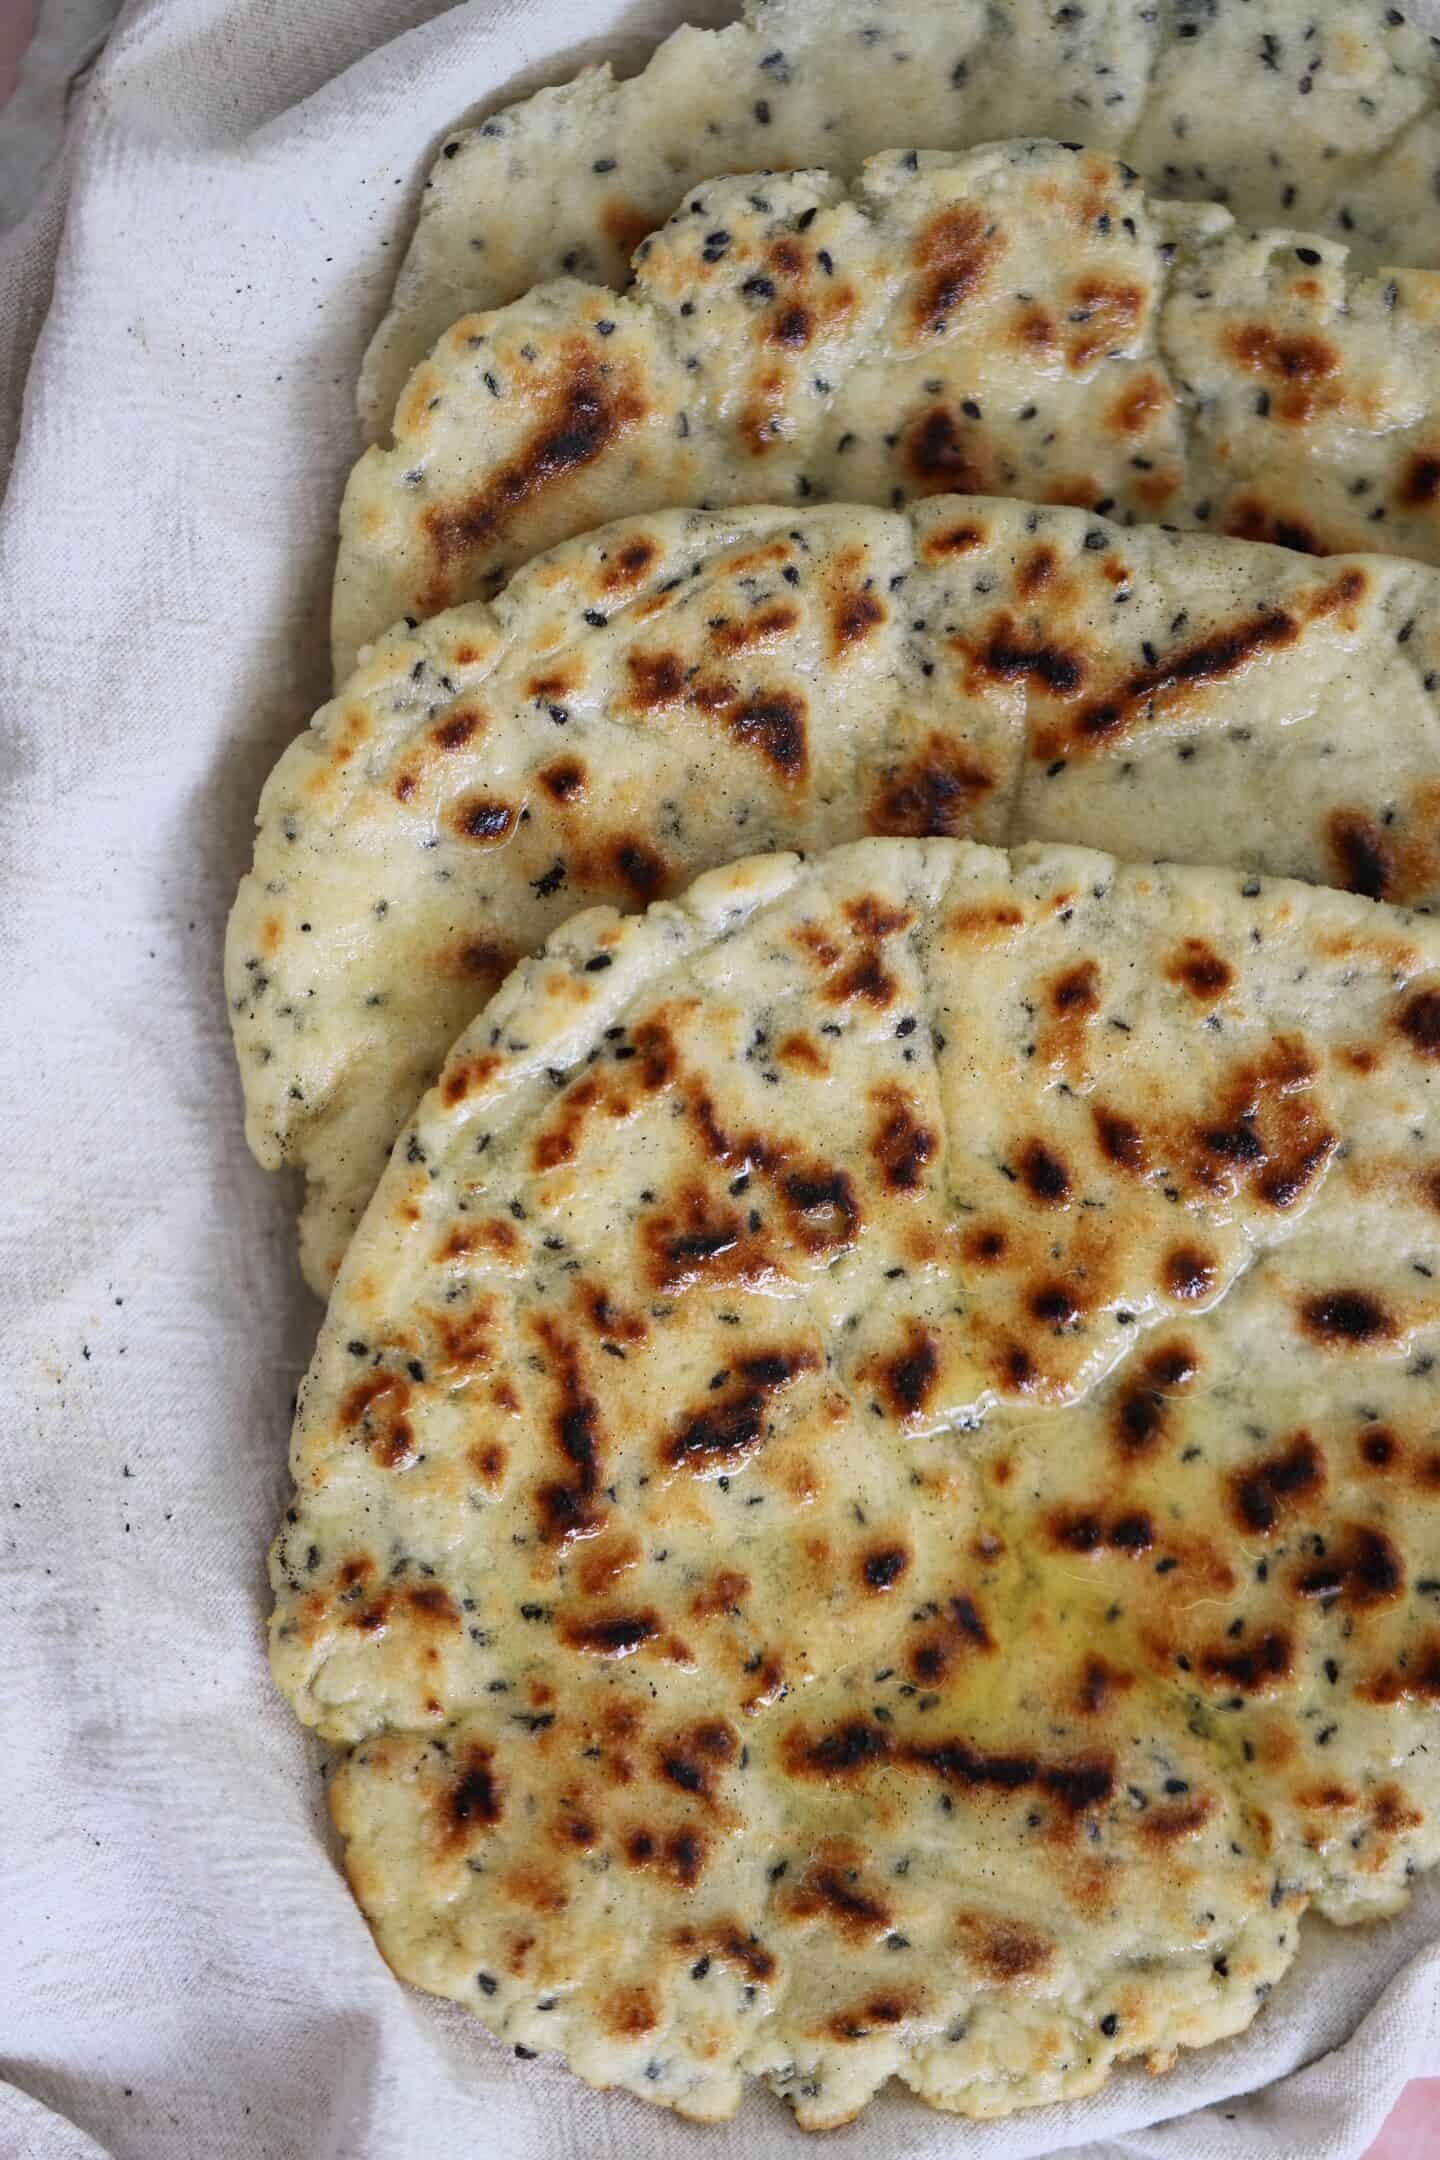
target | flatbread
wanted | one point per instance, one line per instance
(1020, 321)
(671, 692)
(868, 1499)
(1291, 112)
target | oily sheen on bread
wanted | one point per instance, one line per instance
(1019, 321)
(671, 692)
(868, 1501)
(1291, 112)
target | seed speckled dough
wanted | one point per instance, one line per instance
(670, 692)
(1316, 113)
(1021, 321)
(867, 1502)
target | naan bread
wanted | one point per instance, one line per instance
(1018, 322)
(672, 692)
(1315, 113)
(868, 1499)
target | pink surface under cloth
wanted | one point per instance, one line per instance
(185, 295)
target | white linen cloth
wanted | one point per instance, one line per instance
(183, 1974)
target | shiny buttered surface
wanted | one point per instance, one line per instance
(868, 1498)
(672, 692)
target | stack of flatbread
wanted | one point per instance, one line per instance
(851, 973)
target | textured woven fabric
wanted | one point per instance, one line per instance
(184, 1972)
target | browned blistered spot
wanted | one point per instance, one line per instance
(657, 679)
(762, 420)
(610, 1635)
(1120, 1140)
(1421, 484)
(857, 2024)
(1141, 1411)
(465, 654)
(1176, 1819)
(1099, 1683)
(956, 540)
(692, 1759)
(1347, 1319)
(729, 1426)
(1044, 1174)
(701, 1240)
(853, 615)
(1262, 1493)
(679, 1854)
(378, 1403)
(1189, 1272)
(899, 1143)
(1378, 1448)
(934, 794)
(772, 722)
(465, 1337)
(953, 255)
(473, 1801)
(1426, 1474)
(562, 680)
(985, 1245)
(1249, 517)
(1112, 309)
(585, 412)
(1081, 1530)
(1136, 407)
(627, 2012)
(724, 1939)
(760, 628)
(1005, 652)
(1328, 1798)
(859, 1745)
(470, 1073)
(1251, 1668)
(1362, 857)
(790, 326)
(943, 457)
(1198, 968)
(881, 1566)
(907, 1377)
(573, 1827)
(454, 733)
(1390, 1810)
(1419, 1022)
(484, 818)
(567, 1505)
(725, 1592)
(1298, 362)
(612, 1321)
(640, 868)
(958, 1631)
(480, 959)
(1004, 1951)
(1361, 1567)
(1266, 1132)
(564, 780)
(802, 1053)
(487, 1458)
(1032, 330)
(625, 224)
(831, 1892)
(630, 564)
(821, 1208)
(1414, 1677)
(604, 1562)
(1223, 653)
(1036, 571)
